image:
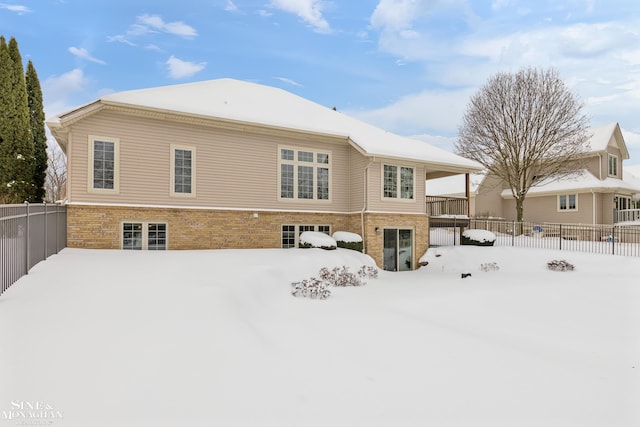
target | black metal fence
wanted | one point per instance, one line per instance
(604, 239)
(29, 233)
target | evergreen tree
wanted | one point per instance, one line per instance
(5, 91)
(36, 116)
(16, 143)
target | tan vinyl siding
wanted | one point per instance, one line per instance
(379, 204)
(596, 165)
(488, 201)
(545, 209)
(235, 169)
(358, 164)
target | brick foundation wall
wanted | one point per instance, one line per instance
(99, 227)
(374, 241)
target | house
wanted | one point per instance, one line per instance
(231, 164)
(600, 193)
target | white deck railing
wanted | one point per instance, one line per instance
(627, 215)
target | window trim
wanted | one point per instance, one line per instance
(116, 165)
(617, 165)
(145, 233)
(297, 232)
(296, 163)
(172, 169)
(398, 197)
(567, 209)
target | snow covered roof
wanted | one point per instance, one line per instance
(246, 102)
(601, 137)
(583, 180)
(454, 185)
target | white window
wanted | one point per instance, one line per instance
(140, 236)
(398, 182)
(183, 171)
(304, 174)
(104, 154)
(291, 233)
(613, 165)
(568, 202)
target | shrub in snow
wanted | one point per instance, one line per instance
(339, 276)
(315, 239)
(347, 240)
(489, 266)
(557, 265)
(478, 238)
(311, 288)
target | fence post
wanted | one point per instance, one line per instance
(513, 233)
(560, 237)
(613, 240)
(455, 229)
(45, 231)
(27, 237)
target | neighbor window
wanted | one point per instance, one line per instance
(304, 174)
(291, 233)
(183, 168)
(613, 165)
(139, 236)
(103, 164)
(568, 202)
(398, 182)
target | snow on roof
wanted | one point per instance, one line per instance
(600, 136)
(582, 180)
(454, 185)
(254, 103)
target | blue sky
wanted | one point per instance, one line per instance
(408, 66)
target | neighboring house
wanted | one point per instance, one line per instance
(601, 193)
(231, 164)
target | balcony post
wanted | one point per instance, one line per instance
(467, 193)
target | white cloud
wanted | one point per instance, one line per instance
(56, 90)
(309, 10)
(152, 46)
(179, 69)
(19, 9)
(147, 23)
(120, 39)
(395, 14)
(436, 111)
(83, 53)
(288, 81)
(231, 7)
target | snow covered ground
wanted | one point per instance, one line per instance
(214, 338)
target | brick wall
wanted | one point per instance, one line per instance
(99, 227)
(374, 241)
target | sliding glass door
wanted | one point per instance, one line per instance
(398, 249)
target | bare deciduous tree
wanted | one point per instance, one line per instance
(56, 180)
(524, 128)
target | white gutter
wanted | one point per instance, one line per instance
(365, 203)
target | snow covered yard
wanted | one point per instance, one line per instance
(214, 338)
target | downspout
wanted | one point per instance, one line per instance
(593, 203)
(600, 166)
(365, 203)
